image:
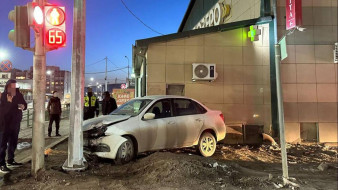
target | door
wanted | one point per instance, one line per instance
(160, 132)
(189, 119)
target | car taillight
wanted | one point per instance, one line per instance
(222, 116)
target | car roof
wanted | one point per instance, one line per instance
(157, 97)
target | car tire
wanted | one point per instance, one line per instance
(125, 153)
(207, 144)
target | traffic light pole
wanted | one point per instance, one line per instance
(105, 79)
(76, 161)
(39, 91)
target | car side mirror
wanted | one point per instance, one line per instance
(149, 116)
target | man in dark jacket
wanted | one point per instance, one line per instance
(108, 104)
(3, 112)
(54, 110)
(13, 100)
(91, 106)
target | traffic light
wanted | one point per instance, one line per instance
(21, 33)
(55, 26)
(35, 16)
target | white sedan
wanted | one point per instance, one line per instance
(153, 123)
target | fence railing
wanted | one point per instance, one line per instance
(27, 115)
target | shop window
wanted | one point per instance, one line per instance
(309, 132)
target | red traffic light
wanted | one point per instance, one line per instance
(55, 16)
(55, 37)
(55, 26)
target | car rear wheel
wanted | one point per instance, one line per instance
(207, 144)
(125, 153)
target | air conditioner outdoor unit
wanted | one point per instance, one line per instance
(203, 71)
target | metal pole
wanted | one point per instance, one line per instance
(281, 113)
(39, 91)
(76, 161)
(106, 82)
(128, 70)
(280, 99)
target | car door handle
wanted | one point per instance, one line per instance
(171, 122)
(199, 120)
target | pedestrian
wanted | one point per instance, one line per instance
(54, 110)
(3, 112)
(91, 106)
(108, 104)
(12, 101)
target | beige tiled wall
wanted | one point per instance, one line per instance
(309, 75)
(242, 87)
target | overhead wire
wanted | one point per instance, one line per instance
(140, 19)
(119, 69)
(116, 65)
(96, 62)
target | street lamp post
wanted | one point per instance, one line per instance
(128, 70)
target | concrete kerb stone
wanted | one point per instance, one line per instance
(52, 145)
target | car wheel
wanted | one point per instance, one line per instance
(125, 153)
(207, 144)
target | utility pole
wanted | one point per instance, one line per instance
(105, 79)
(39, 96)
(76, 161)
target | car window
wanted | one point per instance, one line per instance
(200, 109)
(132, 107)
(161, 109)
(184, 107)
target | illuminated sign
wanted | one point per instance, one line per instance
(216, 16)
(254, 33)
(55, 26)
(293, 13)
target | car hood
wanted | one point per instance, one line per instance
(106, 120)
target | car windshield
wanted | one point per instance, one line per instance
(132, 107)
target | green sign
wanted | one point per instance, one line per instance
(252, 33)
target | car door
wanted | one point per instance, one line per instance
(160, 132)
(190, 121)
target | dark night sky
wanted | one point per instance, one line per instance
(110, 31)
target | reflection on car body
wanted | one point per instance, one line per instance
(153, 123)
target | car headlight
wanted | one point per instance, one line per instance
(98, 130)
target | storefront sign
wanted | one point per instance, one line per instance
(293, 13)
(123, 95)
(216, 16)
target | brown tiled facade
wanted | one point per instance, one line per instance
(309, 74)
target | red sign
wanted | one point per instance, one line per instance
(56, 37)
(293, 13)
(55, 26)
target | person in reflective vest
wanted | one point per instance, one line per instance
(91, 106)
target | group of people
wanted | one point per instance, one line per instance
(12, 104)
(91, 105)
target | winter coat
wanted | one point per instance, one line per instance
(4, 107)
(13, 111)
(54, 106)
(108, 106)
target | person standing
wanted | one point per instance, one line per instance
(54, 110)
(3, 112)
(12, 100)
(108, 104)
(91, 106)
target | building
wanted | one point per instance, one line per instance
(217, 32)
(57, 80)
(4, 77)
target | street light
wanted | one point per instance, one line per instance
(128, 69)
(49, 72)
(92, 79)
(3, 55)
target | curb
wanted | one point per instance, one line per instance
(52, 145)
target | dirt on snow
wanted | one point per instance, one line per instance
(232, 167)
